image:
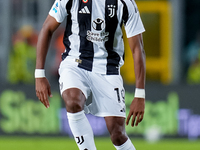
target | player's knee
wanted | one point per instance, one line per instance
(73, 101)
(118, 138)
(73, 106)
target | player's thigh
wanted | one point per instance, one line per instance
(71, 76)
(73, 87)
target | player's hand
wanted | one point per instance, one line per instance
(43, 90)
(136, 111)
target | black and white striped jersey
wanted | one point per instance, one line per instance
(93, 34)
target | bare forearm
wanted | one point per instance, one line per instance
(136, 45)
(42, 47)
(50, 25)
(139, 68)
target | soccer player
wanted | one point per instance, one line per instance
(94, 53)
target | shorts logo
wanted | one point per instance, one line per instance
(123, 110)
(85, 1)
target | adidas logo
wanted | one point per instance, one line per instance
(84, 10)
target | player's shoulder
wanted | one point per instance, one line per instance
(131, 5)
(129, 1)
(63, 1)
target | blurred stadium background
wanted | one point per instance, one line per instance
(172, 45)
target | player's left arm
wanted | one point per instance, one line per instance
(138, 104)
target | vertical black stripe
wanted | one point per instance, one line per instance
(124, 17)
(68, 30)
(111, 6)
(125, 12)
(86, 47)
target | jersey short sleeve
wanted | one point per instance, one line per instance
(58, 10)
(134, 24)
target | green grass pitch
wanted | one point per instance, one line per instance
(61, 143)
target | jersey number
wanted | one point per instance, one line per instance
(118, 95)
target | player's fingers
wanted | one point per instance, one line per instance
(141, 117)
(133, 119)
(46, 101)
(128, 118)
(37, 94)
(40, 97)
(49, 92)
(138, 119)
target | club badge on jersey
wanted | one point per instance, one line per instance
(111, 8)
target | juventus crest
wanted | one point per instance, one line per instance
(111, 8)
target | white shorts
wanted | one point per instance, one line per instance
(107, 90)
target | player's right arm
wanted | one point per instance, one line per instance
(42, 85)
